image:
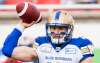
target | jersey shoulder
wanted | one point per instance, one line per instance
(80, 41)
(84, 45)
(42, 40)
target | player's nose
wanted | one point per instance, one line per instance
(57, 30)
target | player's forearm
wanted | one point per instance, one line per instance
(24, 53)
(11, 42)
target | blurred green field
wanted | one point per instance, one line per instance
(97, 55)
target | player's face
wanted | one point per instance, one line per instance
(57, 31)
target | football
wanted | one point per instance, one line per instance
(28, 12)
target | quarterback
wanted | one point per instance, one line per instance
(58, 46)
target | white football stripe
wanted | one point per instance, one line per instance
(24, 9)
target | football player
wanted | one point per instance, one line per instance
(58, 46)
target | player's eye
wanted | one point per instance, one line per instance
(52, 27)
(62, 33)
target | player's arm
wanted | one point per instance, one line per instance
(11, 49)
(87, 52)
(88, 60)
(29, 15)
(24, 53)
(25, 45)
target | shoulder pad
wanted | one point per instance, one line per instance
(81, 42)
(41, 40)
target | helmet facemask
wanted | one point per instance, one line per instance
(62, 36)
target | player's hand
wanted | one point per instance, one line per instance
(26, 25)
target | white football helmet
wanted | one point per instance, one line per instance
(60, 19)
